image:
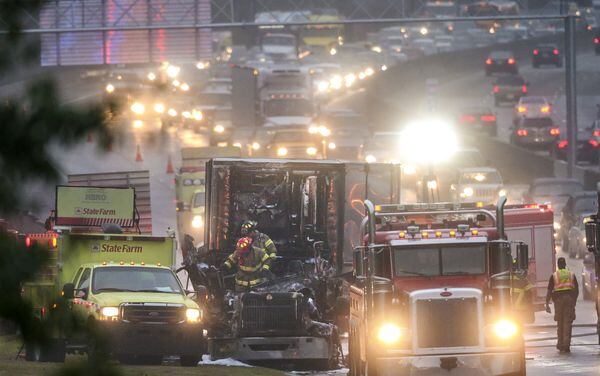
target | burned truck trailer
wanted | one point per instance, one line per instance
(312, 211)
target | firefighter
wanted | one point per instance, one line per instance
(522, 295)
(563, 290)
(259, 240)
(252, 265)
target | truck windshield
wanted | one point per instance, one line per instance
(199, 199)
(439, 260)
(134, 279)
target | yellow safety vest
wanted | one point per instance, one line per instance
(563, 280)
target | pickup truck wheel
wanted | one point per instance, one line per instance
(32, 353)
(189, 360)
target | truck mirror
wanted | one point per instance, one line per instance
(358, 263)
(522, 256)
(200, 294)
(68, 291)
(500, 256)
(591, 236)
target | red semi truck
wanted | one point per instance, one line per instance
(438, 287)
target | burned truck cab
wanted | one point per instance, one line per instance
(298, 205)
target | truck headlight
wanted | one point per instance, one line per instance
(505, 329)
(192, 315)
(219, 128)
(370, 159)
(389, 333)
(282, 151)
(110, 312)
(467, 192)
(110, 88)
(197, 221)
(138, 108)
(311, 151)
(159, 108)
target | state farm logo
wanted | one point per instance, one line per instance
(94, 211)
(95, 248)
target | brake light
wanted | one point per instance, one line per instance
(467, 119)
(488, 118)
(594, 143)
(545, 109)
(555, 131)
(536, 52)
(521, 109)
(532, 206)
(555, 51)
(524, 89)
(563, 144)
(511, 61)
(522, 132)
(496, 89)
(489, 61)
(596, 40)
(597, 133)
(28, 242)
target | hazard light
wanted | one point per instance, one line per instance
(555, 131)
(522, 132)
(521, 109)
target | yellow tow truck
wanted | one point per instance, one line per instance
(119, 285)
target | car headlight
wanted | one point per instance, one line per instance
(432, 184)
(138, 108)
(219, 128)
(505, 329)
(197, 115)
(193, 315)
(151, 76)
(370, 159)
(322, 86)
(197, 221)
(389, 333)
(110, 311)
(332, 146)
(172, 112)
(311, 151)
(137, 124)
(468, 192)
(159, 108)
(255, 146)
(502, 193)
(110, 88)
(282, 151)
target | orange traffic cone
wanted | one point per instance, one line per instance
(170, 169)
(138, 154)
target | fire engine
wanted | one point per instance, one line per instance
(435, 290)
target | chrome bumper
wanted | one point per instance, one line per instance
(271, 348)
(480, 364)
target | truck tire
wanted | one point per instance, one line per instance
(54, 352)
(189, 360)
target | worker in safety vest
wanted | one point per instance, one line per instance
(563, 290)
(252, 265)
(259, 240)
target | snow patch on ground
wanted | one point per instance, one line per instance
(222, 362)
